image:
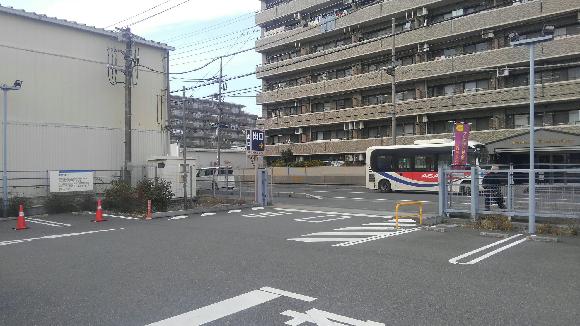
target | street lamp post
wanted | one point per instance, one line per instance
(5, 89)
(530, 43)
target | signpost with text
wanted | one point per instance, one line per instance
(255, 145)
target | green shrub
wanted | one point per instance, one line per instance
(56, 204)
(278, 163)
(157, 190)
(87, 203)
(120, 197)
(13, 205)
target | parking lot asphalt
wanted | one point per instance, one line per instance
(298, 265)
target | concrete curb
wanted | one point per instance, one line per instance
(202, 210)
(543, 238)
(493, 235)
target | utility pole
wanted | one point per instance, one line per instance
(184, 149)
(220, 109)
(128, 37)
(393, 88)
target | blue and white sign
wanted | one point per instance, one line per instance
(255, 142)
(71, 180)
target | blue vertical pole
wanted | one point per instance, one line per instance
(532, 177)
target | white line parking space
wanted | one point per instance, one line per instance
(55, 236)
(47, 222)
(121, 217)
(456, 260)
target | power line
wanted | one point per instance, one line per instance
(208, 28)
(159, 13)
(139, 14)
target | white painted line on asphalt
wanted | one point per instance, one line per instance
(321, 239)
(339, 197)
(406, 220)
(357, 198)
(330, 219)
(377, 237)
(377, 228)
(55, 236)
(219, 310)
(235, 211)
(381, 199)
(489, 254)
(390, 224)
(119, 216)
(455, 260)
(207, 214)
(324, 318)
(288, 294)
(179, 217)
(347, 233)
(357, 192)
(321, 191)
(47, 221)
(257, 208)
(49, 224)
(229, 307)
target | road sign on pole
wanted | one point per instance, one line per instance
(255, 142)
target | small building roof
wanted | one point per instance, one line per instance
(79, 26)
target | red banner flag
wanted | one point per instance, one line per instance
(461, 133)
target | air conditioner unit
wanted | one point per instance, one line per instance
(423, 47)
(503, 72)
(298, 131)
(297, 16)
(407, 26)
(361, 125)
(425, 118)
(422, 12)
(487, 34)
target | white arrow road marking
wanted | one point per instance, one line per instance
(257, 208)
(235, 211)
(230, 306)
(455, 260)
(324, 318)
(348, 233)
(207, 214)
(179, 217)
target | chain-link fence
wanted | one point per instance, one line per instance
(506, 191)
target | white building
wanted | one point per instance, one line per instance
(67, 115)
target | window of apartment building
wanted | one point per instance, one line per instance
(574, 73)
(327, 106)
(406, 129)
(475, 48)
(318, 107)
(479, 124)
(476, 85)
(341, 73)
(523, 120)
(573, 117)
(374, 99)
(406, 95)
(439, 127)
(344, 103)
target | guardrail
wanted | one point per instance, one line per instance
(409, 203)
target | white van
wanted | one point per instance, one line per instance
(216, 178)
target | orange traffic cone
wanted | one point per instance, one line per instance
(21, 222)
(99, 215)
(149, 215)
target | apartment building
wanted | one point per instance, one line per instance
(327, 92)
(202, 119)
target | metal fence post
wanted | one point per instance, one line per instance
(442, 190)
(474, 192)
(510, 189)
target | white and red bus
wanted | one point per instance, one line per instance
(411, 167)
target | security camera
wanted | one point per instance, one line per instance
(18, 83)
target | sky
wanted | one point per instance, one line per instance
(198, 29)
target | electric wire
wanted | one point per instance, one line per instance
(139, 14)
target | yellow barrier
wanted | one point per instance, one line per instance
(409, 203)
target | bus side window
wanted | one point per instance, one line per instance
(405, 163)
(425, 163)
(384, 163)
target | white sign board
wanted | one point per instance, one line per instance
(69, 181)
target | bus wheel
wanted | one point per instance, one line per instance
(385, 186)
